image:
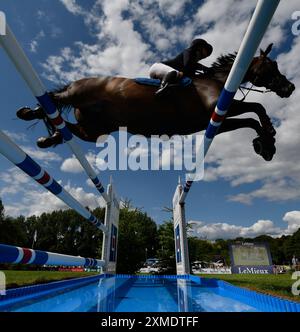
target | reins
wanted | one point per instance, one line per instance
(245, 95)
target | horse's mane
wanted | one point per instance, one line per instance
(223, 63)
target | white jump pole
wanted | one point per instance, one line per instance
(18, 255)
(259, 23)
(18, 157)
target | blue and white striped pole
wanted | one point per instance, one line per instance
(17, 156)
(24, 67)
(261, 19)
(17, 255)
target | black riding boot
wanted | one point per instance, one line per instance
(171, 79)
(27, 114)
(47, 142)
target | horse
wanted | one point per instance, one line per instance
(103, 105)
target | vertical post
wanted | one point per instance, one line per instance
(180, 234)
(184, 293)
(259, 23)
(110, 239)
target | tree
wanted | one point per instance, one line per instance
(137, 240)
(166, 250)
(2, 211)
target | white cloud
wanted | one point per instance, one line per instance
(72, 165)
(46, 157)
(73, 7)
(19, 137)
(293, 220)
(33, 46)
(173, 7)
(215, 231)
(33, 200)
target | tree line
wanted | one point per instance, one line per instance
(140, 238)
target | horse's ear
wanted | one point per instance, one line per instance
(262, 53)
(269, 49)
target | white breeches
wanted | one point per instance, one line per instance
(159, 71)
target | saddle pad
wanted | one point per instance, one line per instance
(185, 81)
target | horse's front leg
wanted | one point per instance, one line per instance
(238, 108)
(264, 144)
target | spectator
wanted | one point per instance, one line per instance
(294, 262)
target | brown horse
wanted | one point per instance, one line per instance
(102, 105)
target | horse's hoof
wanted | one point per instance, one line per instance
(258, 146)
(44, 142)
(268, 155)
(47, 142)
(265, 147)
(27, 114)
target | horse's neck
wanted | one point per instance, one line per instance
(222, 76)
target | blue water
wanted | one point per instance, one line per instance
(136, 295)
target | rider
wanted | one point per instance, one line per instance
(184, 64)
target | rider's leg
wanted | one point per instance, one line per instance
(159, 71)
(166, 74)
(172, 78)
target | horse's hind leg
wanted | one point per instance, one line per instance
(28, 114)
(264, 144)
(238, 108)
(57, 138)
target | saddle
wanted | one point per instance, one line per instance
(185, 82)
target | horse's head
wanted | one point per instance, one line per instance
(264, 72)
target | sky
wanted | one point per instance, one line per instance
(241, 194)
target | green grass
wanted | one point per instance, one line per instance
(16, 279)
(278, 285)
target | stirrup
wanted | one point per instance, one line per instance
(162, 89)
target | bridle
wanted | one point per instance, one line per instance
(270, 85)
(251, 89)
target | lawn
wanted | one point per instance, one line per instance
(278, 285)
(16, 279)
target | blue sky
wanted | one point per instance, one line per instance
(68, 39)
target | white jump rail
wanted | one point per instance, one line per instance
(24, 162)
